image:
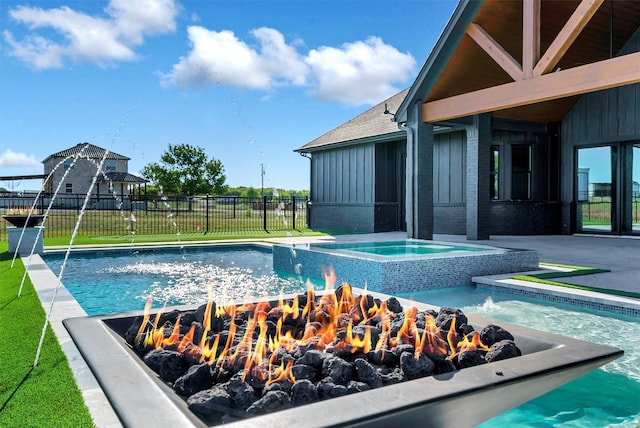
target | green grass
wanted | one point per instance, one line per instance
(547, 278)
(44, 396)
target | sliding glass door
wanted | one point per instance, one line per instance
(608, 189)
(596, 192)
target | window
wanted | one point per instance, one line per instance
(494, 173)
(521, 172)
(110, 165)
(68, 163)
(69, 188)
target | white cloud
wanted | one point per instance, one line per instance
(220, 57)
(355, 73)
(11, 159)
(359, 73)
(85, 38)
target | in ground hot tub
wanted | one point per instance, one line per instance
(456, 398)
(400, 266)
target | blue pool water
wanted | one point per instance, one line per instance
(115, 281)
(111, 282)
(406, 248)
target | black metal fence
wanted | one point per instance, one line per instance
(140, 215)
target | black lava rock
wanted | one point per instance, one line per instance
(196, 378)
(328, 389)
(303, 371)
(394, 305)
(303, 392)
(337, 369)
(414, 368)
(469, 359)
(502, 350)
(210, 403)
(355, 386)
(270, 402)
(366, 373)
(241, 393)
(494, 333)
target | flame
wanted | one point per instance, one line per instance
(318, 325)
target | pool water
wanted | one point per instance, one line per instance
(399, 248)
(607, 396)
(115, 281)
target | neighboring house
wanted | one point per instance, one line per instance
(511, 99)
(114, 178)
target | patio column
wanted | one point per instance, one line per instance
(419, 175)
(478, 159)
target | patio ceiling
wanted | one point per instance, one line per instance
(600, 37)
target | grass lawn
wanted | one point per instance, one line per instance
(44, 396)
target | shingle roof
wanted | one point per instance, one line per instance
(122, 177)
(91, 152)
(372, 123)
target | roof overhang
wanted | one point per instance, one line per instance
(526, 60)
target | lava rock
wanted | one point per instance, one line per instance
(470, 359)
(337, 369)
(502, 350)
(328, 389)
(414, 368)
(383, 356)
(313, 358)
(196, 378)
(241, 393)
(447, 315)
(303, 392)
(355, 386)
(168, 364)
(303, 371)
(270, 402)
(366, 373)
(494, 333)
(394, 305)
(210, 403)
(391, 376)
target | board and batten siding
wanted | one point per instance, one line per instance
(344, 176)
(449, 168)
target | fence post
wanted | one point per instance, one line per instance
(235, 198)
(207, 215)
(264, 211)
(293, 212)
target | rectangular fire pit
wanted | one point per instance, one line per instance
(459, 398)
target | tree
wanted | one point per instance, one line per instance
(185, 170)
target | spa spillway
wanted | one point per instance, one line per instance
(459, 398)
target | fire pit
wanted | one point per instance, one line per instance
(20, 220)
(453, 370)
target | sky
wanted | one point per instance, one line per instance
(247, 81)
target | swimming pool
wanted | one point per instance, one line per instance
(114, 281)
(604, 397)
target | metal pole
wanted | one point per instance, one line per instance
(293, 212)
(264, 212)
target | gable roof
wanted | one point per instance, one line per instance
(121, 177)
(372, 123)
(459, 65)
(91, 151)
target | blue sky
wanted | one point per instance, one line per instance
(248, 81)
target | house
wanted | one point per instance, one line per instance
(80, 164)
(515, 101)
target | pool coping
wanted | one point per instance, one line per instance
(102, 413)
(584, 298)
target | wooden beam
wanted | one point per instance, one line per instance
(530, 36)
(495, 51)
(619, 71)
(578, 20)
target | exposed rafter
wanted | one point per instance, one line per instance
(619, 71)
(578, 20)
(495, 51)
(530, 36)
